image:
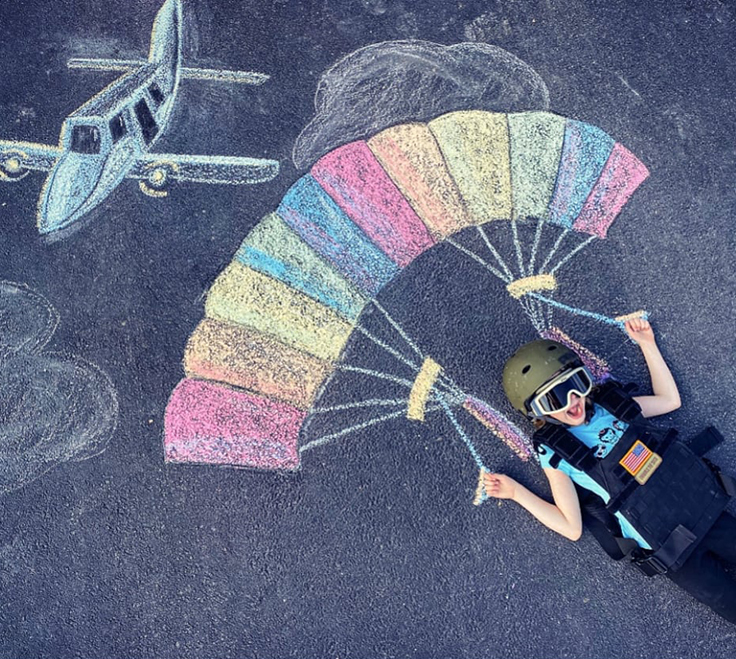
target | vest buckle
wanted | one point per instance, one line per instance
(649, 564)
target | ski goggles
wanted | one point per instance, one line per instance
(555, 395)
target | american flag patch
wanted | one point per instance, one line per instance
(638, 454)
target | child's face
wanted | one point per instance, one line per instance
(573, 415)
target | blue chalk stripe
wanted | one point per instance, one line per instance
(322, 224)
(295, 277)
(461, 432)
(578, 312)
(585, 151)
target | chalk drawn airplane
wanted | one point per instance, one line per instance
(109, 138)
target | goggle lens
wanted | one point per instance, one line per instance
(556, 398)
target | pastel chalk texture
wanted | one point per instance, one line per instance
(585, 151)
(520, 287)
(500, 426)
(621, 176)
(324, 226)
(641, 313)
(597, 366)
(274, 249)
(536, 144)
(354, 178)
(411, 156)
(421, 389)
(475, 146)
(209, 423)
(480, 489)
(247, 297)
(245, 358)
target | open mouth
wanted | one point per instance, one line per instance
(577, 410)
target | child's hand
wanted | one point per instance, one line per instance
(639, 330)
(499, 485)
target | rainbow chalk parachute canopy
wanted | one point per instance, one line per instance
(278, 317)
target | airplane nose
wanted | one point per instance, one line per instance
(66, 192)
(51, 215)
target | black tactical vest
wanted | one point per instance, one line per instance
(680, 499)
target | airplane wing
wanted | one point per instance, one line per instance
(16, 158)
(158, 169)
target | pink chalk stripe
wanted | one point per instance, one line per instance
(354, 178)
(622, 174)
(210, 423)
(426, 184)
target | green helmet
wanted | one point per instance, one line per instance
(531, 366)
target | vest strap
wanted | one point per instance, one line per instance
(728, 483)
(705, 440)
(669, 555)
(566, 446)
(615, 503)
(616, 399)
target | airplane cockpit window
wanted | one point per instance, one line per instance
(117, 127)
(156, 94)
(148, 125)
(85, 139)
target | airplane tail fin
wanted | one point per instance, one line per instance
(166, 40)
(166, 33)
(166, 48)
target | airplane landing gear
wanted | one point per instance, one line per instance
(11, 166)
(159, 178)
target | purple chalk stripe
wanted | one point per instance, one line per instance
(500, 426)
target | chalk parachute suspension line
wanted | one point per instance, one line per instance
(549, 176)
(278, 317)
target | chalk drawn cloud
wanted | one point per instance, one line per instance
(397, 81)
(54, 408)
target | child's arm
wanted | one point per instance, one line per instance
(666, 397)
(563, 516)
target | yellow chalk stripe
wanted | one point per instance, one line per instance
(631, 316)
(247, 297)
(413, 160)
(423, 384)
(520, 287)
(475, 146)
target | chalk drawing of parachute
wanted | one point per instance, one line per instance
(278, 318)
